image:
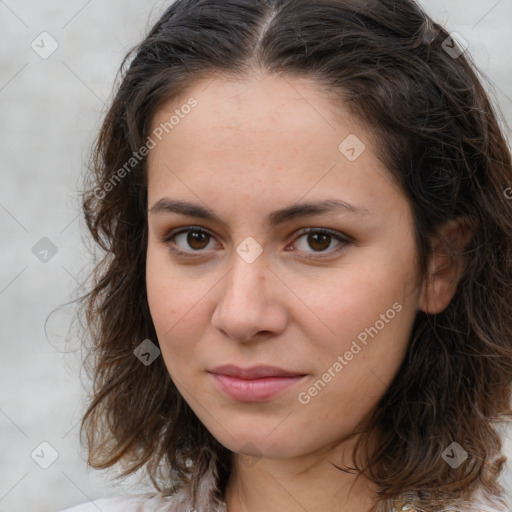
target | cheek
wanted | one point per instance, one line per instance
(367, 315)
(341, 305)
(174, 301)
(159, 287)
(180, 303)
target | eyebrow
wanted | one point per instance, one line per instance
(168, 205)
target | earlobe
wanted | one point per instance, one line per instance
(446, 265)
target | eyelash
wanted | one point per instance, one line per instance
(344, 241)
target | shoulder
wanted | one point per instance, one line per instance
(142, 503)
(107, 505)
(180, 501)
(480, 502)
(484, 502)
(151, 502)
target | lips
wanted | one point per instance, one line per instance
(254, 372)
(255, 384)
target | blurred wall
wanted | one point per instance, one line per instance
(57, 64)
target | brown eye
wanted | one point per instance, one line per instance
(196, 239)
(319, 241)
(188, 241)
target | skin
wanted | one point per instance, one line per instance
(250, 147)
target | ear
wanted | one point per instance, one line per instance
(446, 265)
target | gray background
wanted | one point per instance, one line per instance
(50, 110)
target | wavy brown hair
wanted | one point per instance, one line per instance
(441, 141)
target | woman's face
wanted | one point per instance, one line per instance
(299, 255)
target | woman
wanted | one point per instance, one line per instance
(306, 296)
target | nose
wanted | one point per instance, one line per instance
(250, 306)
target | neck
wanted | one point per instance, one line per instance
(308, 482)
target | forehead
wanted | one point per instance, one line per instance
(263, 96)
(281, 132)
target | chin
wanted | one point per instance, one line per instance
(256, 442)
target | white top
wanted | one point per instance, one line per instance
(107, 505)
(207, 501)
(142, 505)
